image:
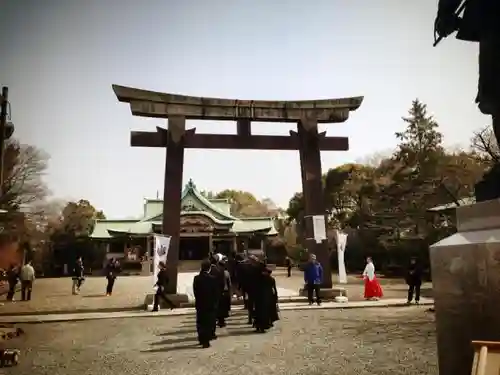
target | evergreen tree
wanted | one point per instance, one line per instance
(400, 206)
(421, 142)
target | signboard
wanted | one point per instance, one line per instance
(319, 228)
(161, 246)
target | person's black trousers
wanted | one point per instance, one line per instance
(160, 294)
(311, 290)
(11, 292)
(414, 289)
(110, 285)
(250, 308)
(204, 326)
(289, 271)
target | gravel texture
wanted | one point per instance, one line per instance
(363, 341)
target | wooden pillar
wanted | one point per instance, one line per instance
(312, 187)
(171, 224)
(149, 257)
(243, 127)
(263, 247)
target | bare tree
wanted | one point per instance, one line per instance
(484, 143)
(46, 215)
(374, 160)
(24, 167)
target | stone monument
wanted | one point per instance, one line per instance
(466, 266)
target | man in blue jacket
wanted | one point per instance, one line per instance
(313, 277)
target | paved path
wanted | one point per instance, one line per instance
(296, 306)
(185, 286)
(397, 341)
(54, 295)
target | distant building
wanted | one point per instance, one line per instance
(445, 214)
(449, 207)
(206, 225)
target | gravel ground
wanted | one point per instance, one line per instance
(364, 341)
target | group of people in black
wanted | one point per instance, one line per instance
(219, 279)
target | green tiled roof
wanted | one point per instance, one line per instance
(194, 203)
(219, 208)
(222, 204)
(185, 213)
(102, 226)
(213, 208)
(249, 225)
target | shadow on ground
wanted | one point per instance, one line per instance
(237, 326)
(95, 296)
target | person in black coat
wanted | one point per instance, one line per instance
(112, 269)
(224, 305)
(414, 280)
(241, 278)
(161, 285)
(218, 274)
(205, 293)
(78, 276)
(12, 279)
(266, 301)
(250, 275)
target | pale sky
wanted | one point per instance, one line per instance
(60, 58)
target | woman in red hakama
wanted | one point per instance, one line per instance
(373, 290)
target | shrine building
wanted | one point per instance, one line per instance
(206, 225)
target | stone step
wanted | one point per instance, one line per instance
(239, 302)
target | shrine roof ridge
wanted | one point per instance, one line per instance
(162, 105)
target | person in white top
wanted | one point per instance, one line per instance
(27, 276)
(373, 290)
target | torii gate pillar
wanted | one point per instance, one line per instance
(312, 191)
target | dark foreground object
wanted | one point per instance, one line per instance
(489, 187)
(9, 357)
(466, 286)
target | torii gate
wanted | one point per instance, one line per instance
(179, 108)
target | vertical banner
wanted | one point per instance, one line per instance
(161, 246)
(341, 246)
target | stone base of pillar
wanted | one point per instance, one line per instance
(466, 286)
(177, 300)
(326, 293)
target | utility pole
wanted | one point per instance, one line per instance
(3, 124)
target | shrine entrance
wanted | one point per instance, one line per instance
(307, 114)
(194, 248)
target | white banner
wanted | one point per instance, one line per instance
(341, 246)
(161, 246)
